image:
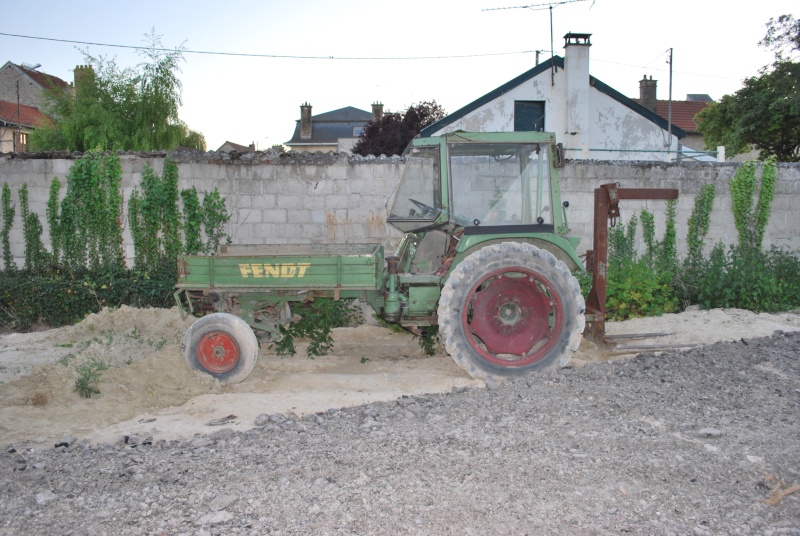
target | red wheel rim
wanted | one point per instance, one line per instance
(217, 352)
(513, 317)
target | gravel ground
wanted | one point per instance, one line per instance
(705, 441)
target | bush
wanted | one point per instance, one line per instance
(61, 297)
(746, 278)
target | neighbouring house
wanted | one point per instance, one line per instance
(680, 113)
(28, 84)
(17, 121)
(591, 119)
(335, 131)
(22, 98)
(229, 146)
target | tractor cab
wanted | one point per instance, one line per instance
(481, 182)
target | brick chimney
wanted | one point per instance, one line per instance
(647, 93)
(81, 74)
(305, 121)
(377, 111)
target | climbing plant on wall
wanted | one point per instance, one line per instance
(91, 214)
(8, 222)
(36, 257)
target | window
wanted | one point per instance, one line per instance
(357, 131)
(528, 115)
(22, 141)
(417, 202)
(500, 184)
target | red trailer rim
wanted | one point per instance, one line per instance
(218, 352)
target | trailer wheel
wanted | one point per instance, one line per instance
(222, 345)
(509, 309)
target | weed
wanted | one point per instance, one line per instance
(98, 364)
(429, 340)
(364, 360)
(317, 319)
(66, 359)
(87, 380)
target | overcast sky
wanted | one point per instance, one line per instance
(256, 99)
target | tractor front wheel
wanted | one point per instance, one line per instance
(222, 345)
(509, 309)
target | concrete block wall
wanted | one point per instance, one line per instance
(338, 199)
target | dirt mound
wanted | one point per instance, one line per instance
(146, 388)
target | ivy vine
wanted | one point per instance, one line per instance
(751, 221)
(8, 222)
(699, 224)
(91, 214)
(54, 220)
(36, 257)
(192, 221)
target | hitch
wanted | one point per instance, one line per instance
(606, 209)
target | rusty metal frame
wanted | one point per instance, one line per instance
(606, 208)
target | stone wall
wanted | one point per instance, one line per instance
(337, 198)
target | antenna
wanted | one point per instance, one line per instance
(669, 103)
(540, 7)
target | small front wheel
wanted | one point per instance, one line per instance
(222, 345)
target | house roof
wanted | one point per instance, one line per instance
(533, 73)
(235, 147)
(683, 112)
(328, 127)
(43, 80)
(28, 115)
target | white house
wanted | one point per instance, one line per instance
(592, 120)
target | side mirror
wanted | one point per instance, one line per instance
(558, 157)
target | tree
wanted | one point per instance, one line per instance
(765, 113)
(392, 133)
(112, 108)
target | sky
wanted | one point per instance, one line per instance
(450, 51)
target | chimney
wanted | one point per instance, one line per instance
(377, 111)
(305, 121)
(576, 65)
(81, 74)
(647, 93)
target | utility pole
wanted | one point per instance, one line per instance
(19, 128)
(669, 102)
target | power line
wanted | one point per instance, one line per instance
(597, 60)
(327, 57)
(278, 56)
(536, 7)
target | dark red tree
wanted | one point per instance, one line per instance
(392, 133)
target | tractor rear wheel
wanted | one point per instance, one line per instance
(509, 309)
(222, 345)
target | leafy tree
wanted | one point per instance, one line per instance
(393, 132)
(765, 113)
(113, 108)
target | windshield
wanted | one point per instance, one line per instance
(500, 184)
(418, 199)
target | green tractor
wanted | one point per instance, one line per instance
(485, 256)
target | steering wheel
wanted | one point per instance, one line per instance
(427, 210)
